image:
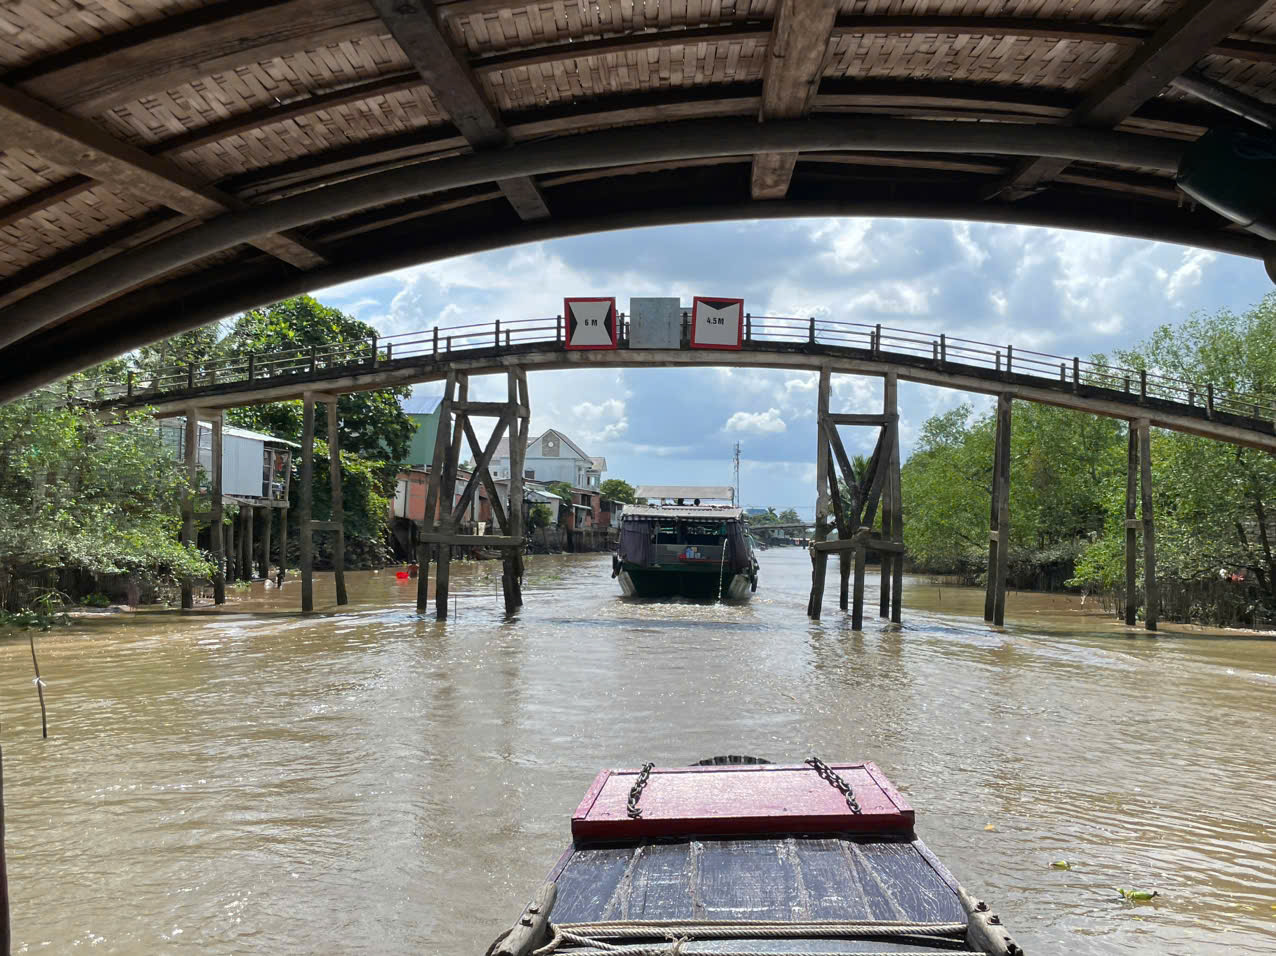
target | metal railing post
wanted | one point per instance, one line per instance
(190, 375)
(934, 351)
(436, 340)
(810, 335)
(1191, 398)
(498, 333)
(1143, 385)
(130, 383)
(252, 366)
(748, 327)
(943, 349)
(376, 359)
(877, 340)
(389, 352)
(1209, 400)
(558, 328)
(1127, 385)
(1063, 373)
(999, 361)
(1010, 359)
(449, 343)
(312, 360)
(1076, 374)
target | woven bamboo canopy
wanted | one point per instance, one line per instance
(167, 162)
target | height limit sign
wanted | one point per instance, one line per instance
(591, 323)
(716, 323)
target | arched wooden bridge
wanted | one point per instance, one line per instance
(536, 344)
(164, 164)
(1145, 398)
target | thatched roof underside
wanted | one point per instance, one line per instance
(167, 162)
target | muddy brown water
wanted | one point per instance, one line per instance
(249, 781)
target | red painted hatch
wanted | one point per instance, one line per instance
(746, 800)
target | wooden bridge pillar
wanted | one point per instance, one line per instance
(823, 501)
(338, 519)
(307, 503)
(307, 526)
(443, 514)
(999, 518)
(1132, 526)
(267, 518)
(855, 518)
(246, 541)
(283, 547)
(217, 514)
(191, 449)
(1138, 484)
(232, 568)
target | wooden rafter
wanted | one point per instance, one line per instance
(415, 27)
(1189, 34)
(78, 145)
(184, 48)
(795, 62)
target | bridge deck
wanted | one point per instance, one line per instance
(785, 343)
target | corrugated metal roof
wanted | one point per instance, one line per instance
(230, 431)
(680, 511)
(420, 404)
(703, 492)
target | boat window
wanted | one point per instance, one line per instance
(704, 532)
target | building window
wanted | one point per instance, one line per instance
(529, 473)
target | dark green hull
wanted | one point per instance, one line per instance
(689, 581)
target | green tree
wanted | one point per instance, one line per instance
(789, 516)
(617, 489)
(539, 517)
(1212, 501)
(80, 497)
(560, 488)
(372, 423)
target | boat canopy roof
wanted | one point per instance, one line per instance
(688, 492)
(721, 512)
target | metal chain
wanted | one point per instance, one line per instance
(635, 794)
(835, 781)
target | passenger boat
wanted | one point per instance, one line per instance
(698, 551)
(736, 856)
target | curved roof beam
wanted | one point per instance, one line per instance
(725, 137)
(178, 305)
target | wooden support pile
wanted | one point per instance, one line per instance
(999, 518)
(306, 519)
(442, 518)
(1139, 476)
(854, 519)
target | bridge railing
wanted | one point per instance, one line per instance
(268, 368)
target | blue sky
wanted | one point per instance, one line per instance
(1046, 289)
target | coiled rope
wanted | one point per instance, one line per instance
(594, 939)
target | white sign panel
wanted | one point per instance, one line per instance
(591, 323)
(716, 323)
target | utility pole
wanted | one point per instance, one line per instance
(737, 475)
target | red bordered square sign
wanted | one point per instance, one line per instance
(717, 323)
(591, 323)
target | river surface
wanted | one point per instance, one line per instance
(245, 780)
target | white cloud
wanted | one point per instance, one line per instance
(1056, 291)
(756, 423)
